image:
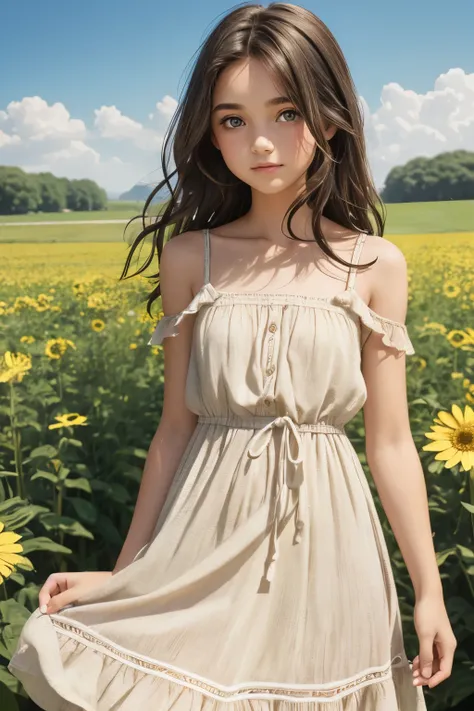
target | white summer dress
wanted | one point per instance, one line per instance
(267, 584)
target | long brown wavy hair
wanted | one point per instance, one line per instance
(298, 48)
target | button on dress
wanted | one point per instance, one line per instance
(266, 585)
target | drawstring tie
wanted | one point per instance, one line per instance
(289, 468)
(289, 473)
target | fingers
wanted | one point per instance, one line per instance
(443, 673)
(426, 656)
(441, 665)
(58, 602)
(54, 584)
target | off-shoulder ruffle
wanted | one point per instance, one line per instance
(168, 325)
(70, 675)
(394, 333)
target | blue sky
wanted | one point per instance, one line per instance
(130, 55)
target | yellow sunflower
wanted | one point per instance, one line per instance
(460, 339)
(9, 549)
(14, 367)
(70, 420)
(451, 289)
(453, 436)
(97, 325)
(56, 347)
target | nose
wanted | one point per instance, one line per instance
(262, 145)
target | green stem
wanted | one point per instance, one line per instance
(59, 511)
(60, 384)
(16, 436)
(468, 578)
(4, 588)
(471, 495)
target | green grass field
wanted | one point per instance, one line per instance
(403, 218)
(117, 210)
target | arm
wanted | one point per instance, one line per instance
(396, 468)
(391, 453)
(177, 423)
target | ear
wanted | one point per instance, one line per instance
(330, 132)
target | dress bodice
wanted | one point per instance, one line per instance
(279, 354)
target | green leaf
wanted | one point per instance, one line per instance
(8, 700)
(466, 553)
(86, 511)
(5, 473)
(75, 442)
(441, 556)
(22, 516)
(25, 565)
(47, 450)
(469, 507)
(40, 474)
(42, 543)
(11, 503)
(17, 578)
(80, 483)
(53, 522)
(10, 681)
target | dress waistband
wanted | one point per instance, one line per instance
(261, 421)
(289, 470)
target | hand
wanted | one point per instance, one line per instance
(437, 643)
(61, 589)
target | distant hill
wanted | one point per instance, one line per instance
(138, 192)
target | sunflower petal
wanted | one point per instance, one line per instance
(448, 419)
(442, 429)
(439, 446)
(466, 461)
(10, 558)
(437, 437)
(468, 415)
(446, 454)
(5, 571)
(453, 461)
(457, 414)
(11, 548)
(9, 537)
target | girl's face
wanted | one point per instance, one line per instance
(261, 127)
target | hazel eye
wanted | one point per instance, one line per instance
(290, 111)
(229, 118)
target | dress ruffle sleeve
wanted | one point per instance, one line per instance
(169, 325)
(394, 333)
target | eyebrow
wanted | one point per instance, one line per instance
(276, 101)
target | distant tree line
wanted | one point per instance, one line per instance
(22, 192)
(447, 176)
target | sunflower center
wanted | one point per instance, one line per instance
(465, 439)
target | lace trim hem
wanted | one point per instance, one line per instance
(254, 690)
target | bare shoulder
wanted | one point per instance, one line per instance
(389, 282)
(182, 250)
(181, 269)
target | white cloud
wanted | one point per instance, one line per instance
(33, 119)
(168, 106)
(118, 151)
(408, 124)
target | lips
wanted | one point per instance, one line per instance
(268, 166)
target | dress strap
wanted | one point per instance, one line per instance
(207, 257)
(355, 259)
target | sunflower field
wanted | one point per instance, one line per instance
(81, 395)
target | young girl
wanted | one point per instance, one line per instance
(255, 575)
